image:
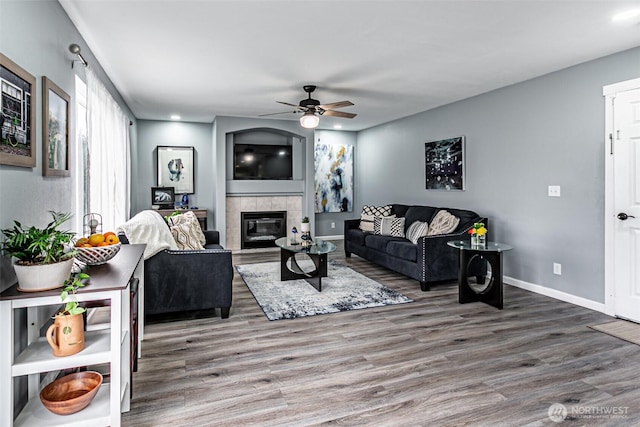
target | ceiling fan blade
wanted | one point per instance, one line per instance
(339, 114)
(281, 112)
(338, 104)
(291, 105)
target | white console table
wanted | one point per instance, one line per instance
(102, 346)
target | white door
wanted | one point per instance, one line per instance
(626, 175)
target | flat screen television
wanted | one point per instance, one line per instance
(258, 162)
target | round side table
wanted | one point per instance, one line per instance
(491, 292)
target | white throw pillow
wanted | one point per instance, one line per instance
(192, 228)
(369, 213)
(444, 222)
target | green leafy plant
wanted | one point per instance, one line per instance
(34, 245)
(305, 220)
(68, 294)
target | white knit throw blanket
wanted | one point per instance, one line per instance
(149, 228)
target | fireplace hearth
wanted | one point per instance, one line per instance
(262, 229)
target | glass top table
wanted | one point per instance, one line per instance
(489, 247)
(317, 252)
(318, 247)
(485, 289)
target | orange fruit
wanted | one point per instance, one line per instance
(103, 244)
(107, 234)
(87, 245)
(81, 241)
(95, 239)
(112, 239)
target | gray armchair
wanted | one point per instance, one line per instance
(178, 281)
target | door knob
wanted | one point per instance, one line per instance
(623, 216)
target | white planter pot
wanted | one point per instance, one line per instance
(34, 278)
(305, 227)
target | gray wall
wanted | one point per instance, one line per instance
(325, 219)
(152, 134)
(519, 140)
(36, 36)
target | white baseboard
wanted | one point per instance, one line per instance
(559, 295)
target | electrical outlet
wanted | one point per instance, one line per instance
(554, 191)
(557, 269)
(333, 225)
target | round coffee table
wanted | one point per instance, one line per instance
(317, 252)
(491, 292)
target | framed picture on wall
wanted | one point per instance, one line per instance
(18, 105)
(164, 197)
(176, 168)
(444, 164)
(55, 130)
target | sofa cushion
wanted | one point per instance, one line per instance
(417, 230)
(389, 226)
(419, 213)
(378, 242)
(369, 213)
(398, 209)
(443, 223)
(402, 249)
(356, 236)
(467, 218)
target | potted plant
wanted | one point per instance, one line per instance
(66, 334)
(305, 227)
(43, 255)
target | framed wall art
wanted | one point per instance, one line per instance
(333, 178)
(176, 168)
(55, 130)
(17, 113)
(164, 197)
(444, 164)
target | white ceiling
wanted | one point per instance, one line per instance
(203, 58)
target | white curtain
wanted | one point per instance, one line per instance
(108, 143)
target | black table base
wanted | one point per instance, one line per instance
(314, 278)
(492, 292)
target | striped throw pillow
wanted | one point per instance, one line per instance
(417, 230)
(389, 226)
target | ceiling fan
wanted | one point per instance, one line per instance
(311, 109)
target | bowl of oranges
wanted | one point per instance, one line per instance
(97, 248)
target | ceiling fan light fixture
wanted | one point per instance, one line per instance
(309, 120)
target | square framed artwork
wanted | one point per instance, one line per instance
(176, 168)
(17, 115)
(444, 164)
(55, 126)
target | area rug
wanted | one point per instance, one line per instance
(622, 329)
(344, 289)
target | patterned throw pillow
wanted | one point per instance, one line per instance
(187, 233)
(443, 223)
(389, 226)
(417, 230)
(184, 237)
(369, 213)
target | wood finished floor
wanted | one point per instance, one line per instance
(432, 362)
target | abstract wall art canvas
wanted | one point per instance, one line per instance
(333, 178)
(444, 164)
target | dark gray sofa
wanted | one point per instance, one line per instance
(177, 281)
(431, 260)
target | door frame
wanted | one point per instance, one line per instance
(609, 92)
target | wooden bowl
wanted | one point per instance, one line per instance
(71, 393)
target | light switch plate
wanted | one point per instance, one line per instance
(554, 191)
